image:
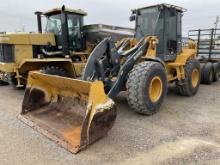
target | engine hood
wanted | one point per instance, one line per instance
(28, 39)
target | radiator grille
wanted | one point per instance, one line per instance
(6, 53)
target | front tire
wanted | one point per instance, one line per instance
(147, 87)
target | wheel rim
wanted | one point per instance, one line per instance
(155, 89)
(195, 77)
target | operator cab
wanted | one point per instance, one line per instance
(66, 25)
(163, 21)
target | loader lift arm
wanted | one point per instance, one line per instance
(106, 64)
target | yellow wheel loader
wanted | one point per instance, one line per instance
(62, 50)
(75, 113)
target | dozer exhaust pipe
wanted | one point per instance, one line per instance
(39, 22)
(71, 112)
(65, 34)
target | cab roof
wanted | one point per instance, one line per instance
(68, 10)
(180, 9)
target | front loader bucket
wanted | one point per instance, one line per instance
(72, 112)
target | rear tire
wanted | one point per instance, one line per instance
(147, 87)
(191, 82)
(202, 66)
(208, 73)
(216, 68)
(54, 70)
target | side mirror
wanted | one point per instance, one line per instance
(132, 18)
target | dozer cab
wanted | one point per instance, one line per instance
(142, 66)
(62, 49)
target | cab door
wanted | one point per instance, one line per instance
(74, 30)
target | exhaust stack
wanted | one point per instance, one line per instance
(65, 34)
(39, 22)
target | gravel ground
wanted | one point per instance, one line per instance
(185, 131)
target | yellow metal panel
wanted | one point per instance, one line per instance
(23, 52)
(177, 66)
(28, 39)
(35, 60)
(7, 67)
(35, 64)
(42, 39)
(185, 55)
(79, 67)
(152, 49)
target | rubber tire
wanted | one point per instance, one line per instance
(187, 89)
(138, 84)
(216, 68)
(54, 70)
(208, 73)
(202, 66)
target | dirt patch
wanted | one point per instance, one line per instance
(185, 131)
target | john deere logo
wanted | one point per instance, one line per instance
(138, 55)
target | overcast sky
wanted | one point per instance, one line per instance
(14, 14)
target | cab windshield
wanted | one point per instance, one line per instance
(74, 23)
(147, 22)
(54, 24)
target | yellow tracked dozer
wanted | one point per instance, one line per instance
(73, 113)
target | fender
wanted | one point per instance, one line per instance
(156, 59)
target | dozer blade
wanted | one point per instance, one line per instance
(72, 112)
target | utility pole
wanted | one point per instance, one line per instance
(216, 25)
(23, 28)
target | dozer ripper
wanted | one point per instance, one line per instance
(75, 113)
(62, 49)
